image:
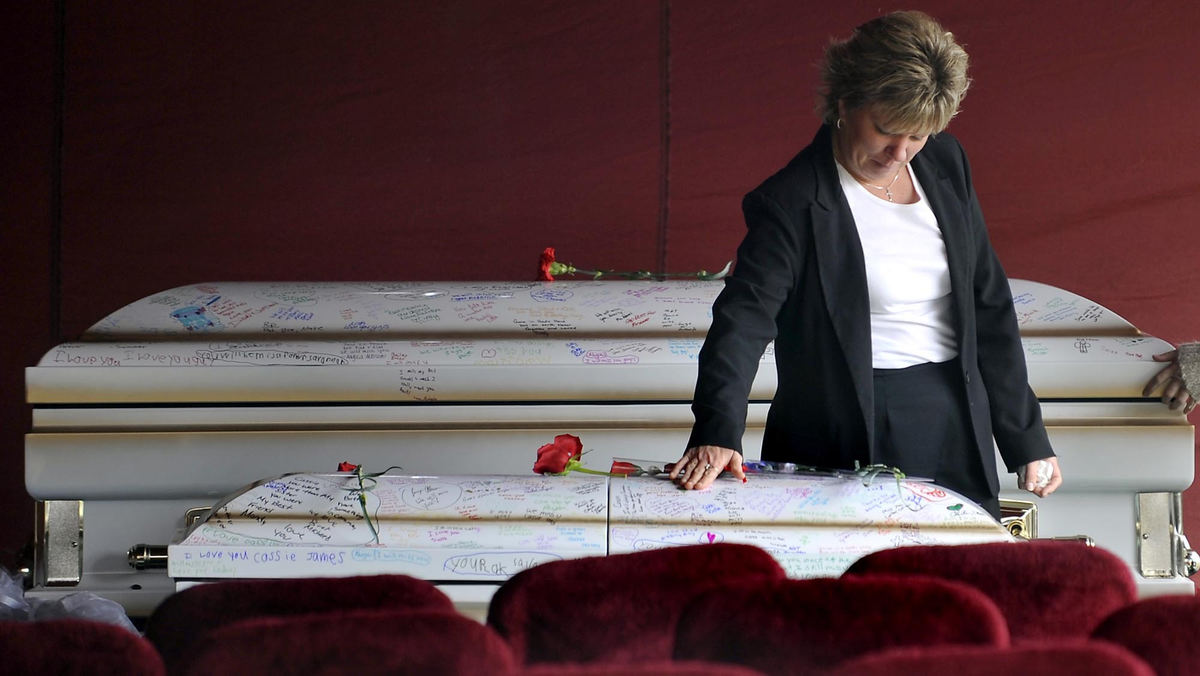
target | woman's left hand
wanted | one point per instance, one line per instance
(1170, 379)
(1027, 477)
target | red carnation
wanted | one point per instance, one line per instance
(544, 274)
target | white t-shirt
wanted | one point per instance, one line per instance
(908, 278)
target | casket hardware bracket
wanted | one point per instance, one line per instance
(1163, 551)
(1019, 517)
(195, 515)
(58, 550)
(144, 556)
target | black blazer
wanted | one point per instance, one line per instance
(800, 280)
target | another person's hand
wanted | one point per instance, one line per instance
(1028, 477)
(701, 465)
(1174, 394)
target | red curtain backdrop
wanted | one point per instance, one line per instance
(454, 140)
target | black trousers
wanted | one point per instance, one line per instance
(923, 428)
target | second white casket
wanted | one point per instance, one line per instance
(484, 529)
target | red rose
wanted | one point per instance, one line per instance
(547, 260)
(553, 457)
(347, 466)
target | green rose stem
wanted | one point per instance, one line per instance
(363, 489)
(557, 268)
(869, 472)
(573, 465)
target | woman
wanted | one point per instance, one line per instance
(868, 263)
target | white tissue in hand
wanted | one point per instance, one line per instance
(1045, 471)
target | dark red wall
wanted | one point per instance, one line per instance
(456, 139)
(27, 321)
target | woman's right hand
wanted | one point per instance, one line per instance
(701, 465)
(1028, 477)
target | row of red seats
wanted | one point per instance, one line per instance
(1033, 608)
(995, 608)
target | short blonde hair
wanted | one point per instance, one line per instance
(903, 62)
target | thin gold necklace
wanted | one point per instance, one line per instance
(886, 188)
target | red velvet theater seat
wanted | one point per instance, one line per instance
(619, 608)
(805, 626)
(75, 647)
(182, 618)
(650, 668)
(1162, 630)
(1044, 587)
(1072, 658)
(360, 642)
